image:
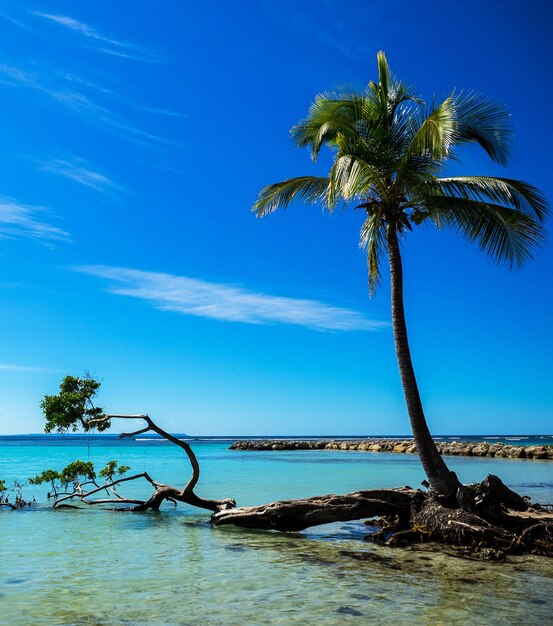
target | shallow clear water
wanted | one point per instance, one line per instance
(101, 567)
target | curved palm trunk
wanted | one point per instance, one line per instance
(442, 481)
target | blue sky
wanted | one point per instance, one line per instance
(135, 137)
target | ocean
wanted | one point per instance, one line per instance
(97, 567)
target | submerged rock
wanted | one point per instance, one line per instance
(347, 610)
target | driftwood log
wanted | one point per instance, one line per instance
(295, 515)
(487, 517)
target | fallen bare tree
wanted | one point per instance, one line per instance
(73, 409)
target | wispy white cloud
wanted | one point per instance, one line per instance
(13, 20)
(107, 45)
(9, 367)
(82, 172)
(74, 100)
(86, 83)
(82, 105)
(225, 302)
(118, 97)
(22, 220)
(15, 76)
(158, 111)
(73, 24)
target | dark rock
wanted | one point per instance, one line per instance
(235, 548)
(347, 610)
(360, 596)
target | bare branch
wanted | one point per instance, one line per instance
(155, 428)
(113, 501)
(107, 486)
(136, 432)
(125, 416)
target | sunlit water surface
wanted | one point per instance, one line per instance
(100, 567)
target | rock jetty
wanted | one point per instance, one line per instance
(406, 446)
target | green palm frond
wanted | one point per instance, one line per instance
(435, 133)
(417, 172)
(506, 235)
(401, 93)
(329, 115)
(351, 177)
(372, 239)
(406, 116)
(383, 75)
(309, 189)
(344, 113)
(506, 191)
(485, 122)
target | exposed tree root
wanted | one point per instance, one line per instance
(487, 517)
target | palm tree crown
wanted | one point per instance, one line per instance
(389, 151)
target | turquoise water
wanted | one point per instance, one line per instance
(101, 567)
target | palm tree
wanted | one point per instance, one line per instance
(389, 152)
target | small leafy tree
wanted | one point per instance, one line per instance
(48, 476)
(73, 407)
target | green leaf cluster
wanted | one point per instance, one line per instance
(111, 469)
(74, 472)
(73, 407)
(48, 476)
